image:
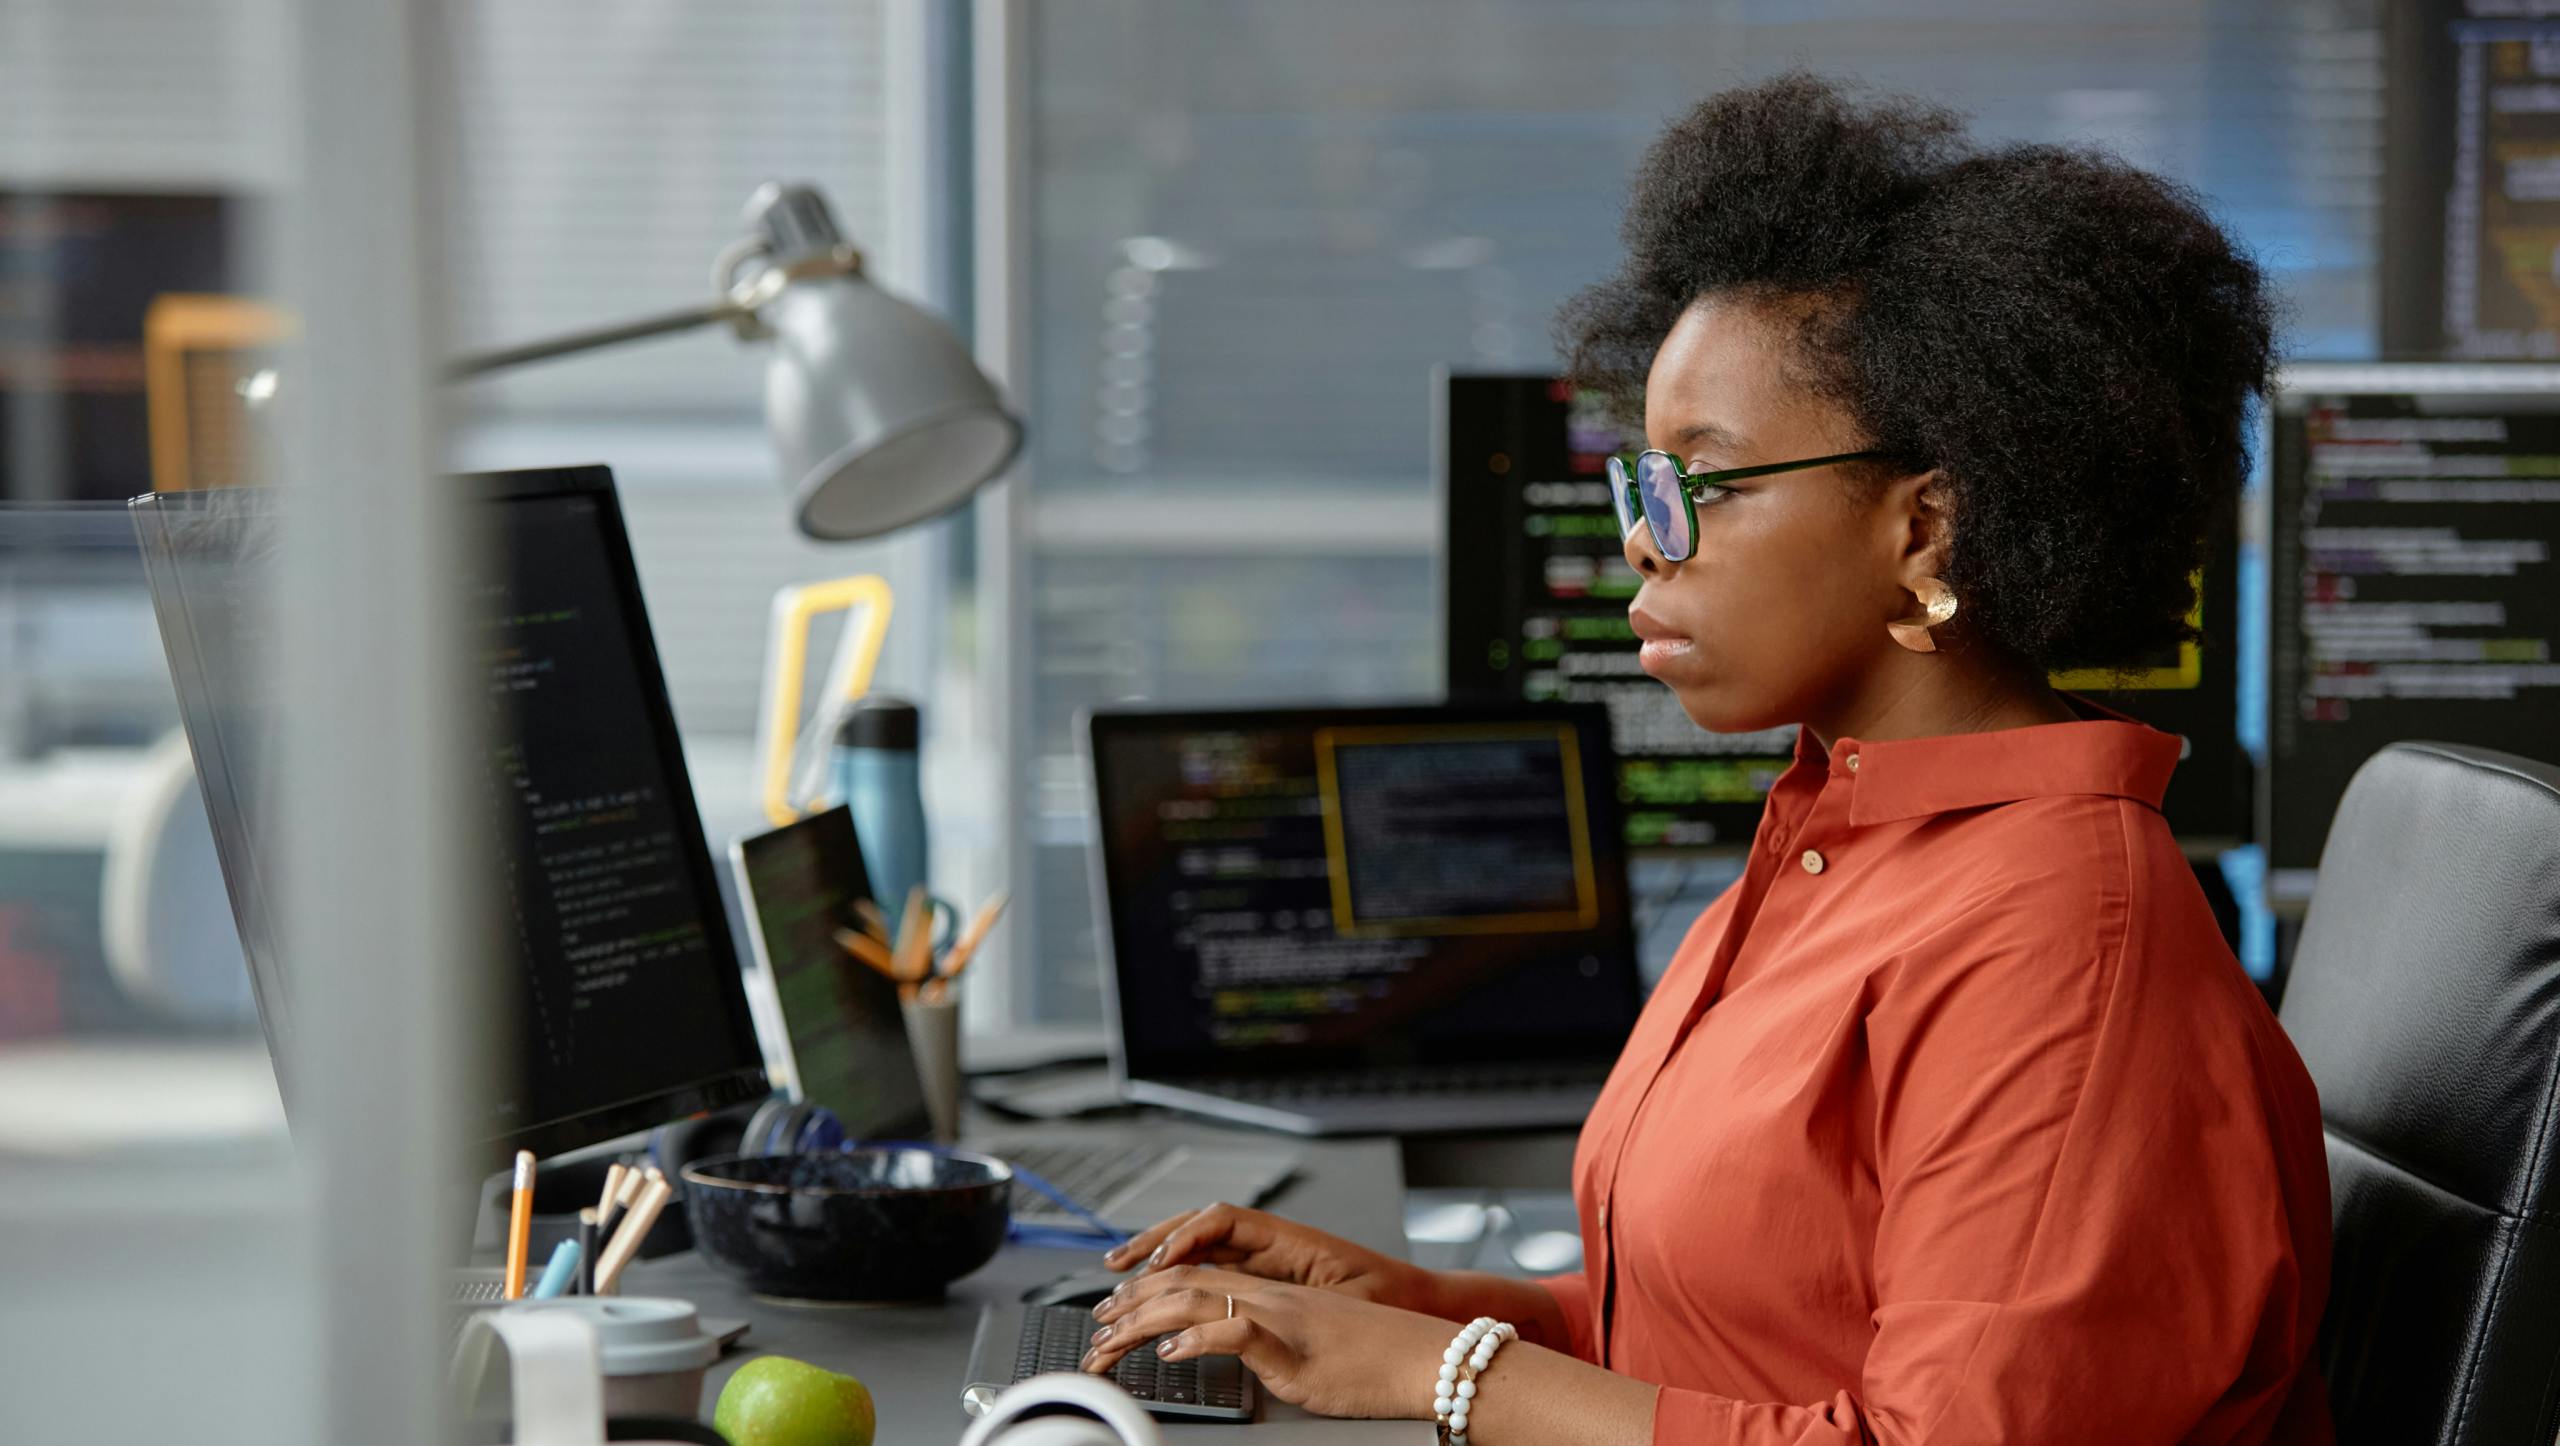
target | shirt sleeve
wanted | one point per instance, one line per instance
(2082, 1216)
(1573, 1298)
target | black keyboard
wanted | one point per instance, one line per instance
(1412, 1083)
(1054, 1338)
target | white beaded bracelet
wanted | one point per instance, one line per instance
(1454, 1396)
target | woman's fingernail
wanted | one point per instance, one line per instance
(1170, 1345)
(1101, 1335)
(1158, 1257)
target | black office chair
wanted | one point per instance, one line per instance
(2426, 999)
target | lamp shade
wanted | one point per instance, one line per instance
(880, 415)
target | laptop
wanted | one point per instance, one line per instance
(834, 1035)
(1364, 920)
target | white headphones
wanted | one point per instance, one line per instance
(1096, 1413)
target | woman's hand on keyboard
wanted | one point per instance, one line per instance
(1255, 1243)
(1318, 1349)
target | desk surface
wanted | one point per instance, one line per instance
(913, 1357)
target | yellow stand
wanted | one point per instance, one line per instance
(786, 657)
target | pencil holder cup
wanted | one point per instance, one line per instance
(933, 1032)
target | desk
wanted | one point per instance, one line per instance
(913, 1357)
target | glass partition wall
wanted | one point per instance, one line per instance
(214, 272)
(238, 241)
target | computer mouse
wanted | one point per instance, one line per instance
(1085, 1287)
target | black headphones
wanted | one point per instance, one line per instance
(779, 1125)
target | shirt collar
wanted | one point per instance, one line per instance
(2106, 754)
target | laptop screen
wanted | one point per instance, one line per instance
(1300, 890)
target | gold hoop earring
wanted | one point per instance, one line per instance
(1937, 604)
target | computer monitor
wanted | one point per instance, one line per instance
(2414, 523)
(628, 1002)
(1535, 603)
(1294, 890)
(2470, 219)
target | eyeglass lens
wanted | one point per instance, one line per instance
(1658, 479)
(1621, 496)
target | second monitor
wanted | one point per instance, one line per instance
(1535, 601)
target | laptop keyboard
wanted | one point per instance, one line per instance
(1054, 1339)
(1412, 1083)
(1090, 1175)
(476, 1286)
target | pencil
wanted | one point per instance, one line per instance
(520, 1225)
(608, 1215)
(613, 1174)
(869, 950)
(556, 1275)
(914, 950)
(588, 1240)
(970, 938)
(958, 956)
(635, 1228)
(873, 919)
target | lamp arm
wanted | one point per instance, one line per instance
(727, 309)
(738, 307)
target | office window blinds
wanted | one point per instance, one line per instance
(602, 158)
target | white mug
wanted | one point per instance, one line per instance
(1114, 1417)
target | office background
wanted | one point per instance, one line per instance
(1216, 249)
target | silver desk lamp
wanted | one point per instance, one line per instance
(879, 414)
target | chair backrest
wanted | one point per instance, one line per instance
(2425, 997)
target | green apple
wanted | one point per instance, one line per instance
(777, 1401)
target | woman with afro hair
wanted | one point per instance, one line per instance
(1954, 1120)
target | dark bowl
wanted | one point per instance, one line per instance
(848, 1225)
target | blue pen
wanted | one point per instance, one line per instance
(556, 1275)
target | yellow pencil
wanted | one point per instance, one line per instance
(520, 1225)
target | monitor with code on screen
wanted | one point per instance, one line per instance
(2415, 577)
(621, 984)
(1535, 596)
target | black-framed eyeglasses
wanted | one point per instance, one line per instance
(1652, 487)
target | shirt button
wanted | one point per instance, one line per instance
(1812, 862)
(1853, 763)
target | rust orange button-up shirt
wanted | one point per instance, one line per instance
(1954, 1121)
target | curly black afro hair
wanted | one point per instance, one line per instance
(2073, 343)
